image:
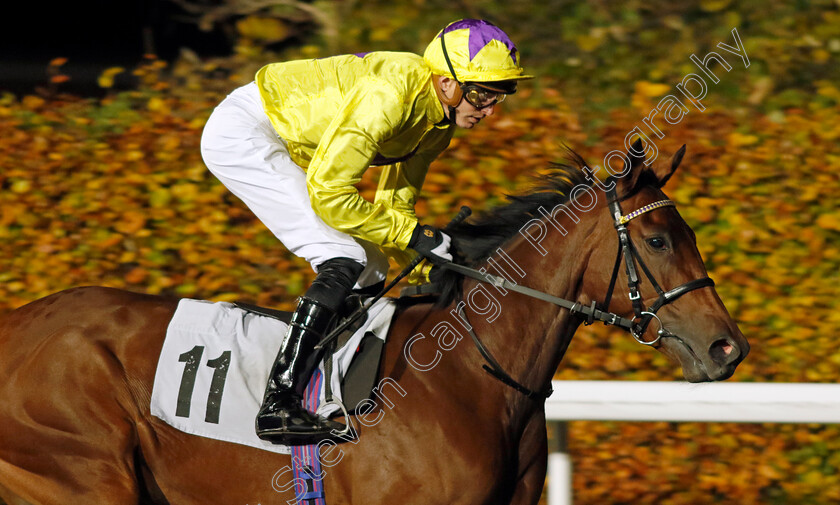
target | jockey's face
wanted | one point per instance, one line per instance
(466, 114)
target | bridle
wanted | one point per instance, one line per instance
(636, 326)
(628, 250)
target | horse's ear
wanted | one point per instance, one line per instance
(637, 159)
(663, 174)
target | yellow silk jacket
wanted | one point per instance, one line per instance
(341, 115)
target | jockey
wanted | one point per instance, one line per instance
(293, 144)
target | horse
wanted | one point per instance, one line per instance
(77, 367)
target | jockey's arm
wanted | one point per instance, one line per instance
(370, 114)
(399, 187)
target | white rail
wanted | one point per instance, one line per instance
(739, 402)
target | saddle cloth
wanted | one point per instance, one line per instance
(214, 365)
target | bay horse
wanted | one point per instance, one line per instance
(77, 367)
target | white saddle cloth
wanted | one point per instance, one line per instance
(214, 365)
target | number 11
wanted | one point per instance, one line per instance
(220, 365)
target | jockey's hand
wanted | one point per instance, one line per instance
(431, 243)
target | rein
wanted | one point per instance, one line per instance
(496, 370)
(628, 251)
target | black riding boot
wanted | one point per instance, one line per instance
(282, 418)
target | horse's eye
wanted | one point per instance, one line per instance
(657, 243)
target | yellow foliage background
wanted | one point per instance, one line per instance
(113, 192)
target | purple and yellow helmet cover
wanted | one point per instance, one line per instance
(478, 50)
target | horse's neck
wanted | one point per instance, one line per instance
(527, 336)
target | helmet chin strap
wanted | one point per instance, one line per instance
(458, 94)
(453, 112)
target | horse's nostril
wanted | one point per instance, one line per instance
(723, 351)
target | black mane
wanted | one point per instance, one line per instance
(479, 237)
(476, 239)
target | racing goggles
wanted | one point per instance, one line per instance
(481, 98)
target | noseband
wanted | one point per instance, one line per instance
(636, 326)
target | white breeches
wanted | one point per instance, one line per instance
(243, 151)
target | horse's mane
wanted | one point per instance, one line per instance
(479, 237)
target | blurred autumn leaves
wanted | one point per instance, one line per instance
(761, 191)
(113, 192)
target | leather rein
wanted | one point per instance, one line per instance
(636, 326)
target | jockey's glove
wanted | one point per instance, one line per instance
(431, 243)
